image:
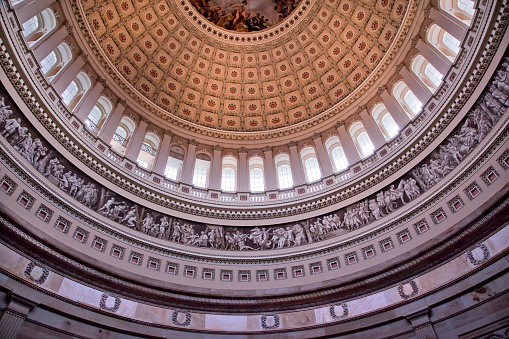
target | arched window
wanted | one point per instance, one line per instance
(76, 90)
(462, 9)
(468, 6)
(174, 163)
(95, 115)
(284, 171)
(122, 134)
(361, 139)
(229, 174)
(148, 150)
(311, 165)
(443, 41)
(385, 121)
(48, 62)
(56, 60)
(427, 73)
(201, 171)
(433, 74)
(412, 102)
(98, 115)
(30, 26)
(451, 42)
(336, 153)
(407, 99)
(39, 25)
(256, 178)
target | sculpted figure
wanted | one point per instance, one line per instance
(375, 209)
(163, 227)
(39, 151)
(11, 126)
(105, 209)
(64, 181)
(51, 167)
(90, 197)
(129, 215)
(21, 136)
(299, 237)
(75, 186)
(147, 223)
(23, 144)
(177, 232)
(364, 212)
(239, 240)
(260, 236)
(229, 241)
(114, 213)
(5, 112)
(131, 222)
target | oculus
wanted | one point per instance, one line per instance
(245, 16)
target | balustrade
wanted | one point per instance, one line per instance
(120, 139)
(91, 126)
(148, 149)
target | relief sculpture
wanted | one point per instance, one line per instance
(474, 127)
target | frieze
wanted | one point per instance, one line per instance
(488, 110)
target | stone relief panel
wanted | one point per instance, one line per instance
(27, 141)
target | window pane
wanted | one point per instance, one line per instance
(433, 74)
(121, 132)
(284, 173)
(30, 25)
(48, 62)
(451, 42)
(171, 172)
(70, 92)
(389, 125)
(95, 115)
(365, 144)
(228, 179)
(256, 180)
(200, 177)
(413, 103)
(467, 6)
(312, 169)
(339, 158)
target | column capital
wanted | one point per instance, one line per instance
(362, 108)
(242, 150)
(292, 144)
(168, 132)
(339, 124)
(193, 142)
(316, 136)
(399, 67)
(267, 149)
(427, 10)
(102, 81)
(122, 102)
(217, 148)
(381, 89)
(84, 56)
(145, 119)
(68, 27)
(415, 40)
